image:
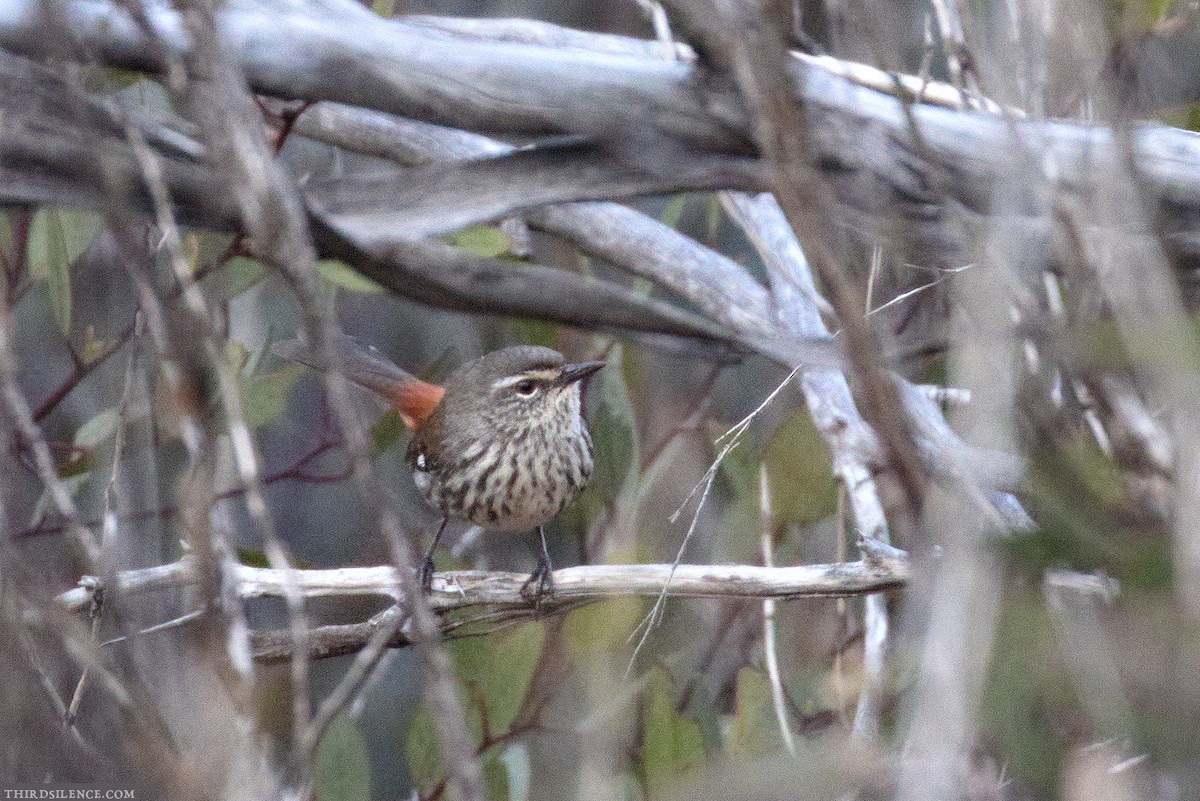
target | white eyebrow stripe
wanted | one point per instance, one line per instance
(537, 375)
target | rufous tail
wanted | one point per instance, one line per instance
(413, 398)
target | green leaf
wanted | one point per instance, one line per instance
(8, 236)
(265, 396)
(424, 759)
(739, 467)
(92, 348)
(1027, 689)
(90, 435)
(56, 239)
(602, 627)
(672, 744)
(715, 216)
(107, 79)
(254, 358)
(494, 673)
(673, 211)
(1137, 15)
(342, 771)
(208, 250)
(77, 466)
(482, 240)
(342, 275)
(237, 275)
(614, 435)
(384, 8)
(534, 332)
(800, 472)
(1081, 502)
(238, 355)
(495, 777)
(496, 670)
(387, 431)
(97, 430)
(755, 731)
(60, 235)
(252, 558)
(1097, 473)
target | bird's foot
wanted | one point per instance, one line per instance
(541, 582)
(425, 574)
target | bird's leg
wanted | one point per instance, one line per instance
(426, 571)
(541, 577)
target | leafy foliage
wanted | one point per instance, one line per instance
(495, 776)
(384, 8)
(614, 435)
(496, 671)
(342, 770)
(672, 743)
(424, 761)
(236, 276)
(799, 475)
(1034, 710)
(387, 431)
(482, 240)
(88, 437)
(494, 675)
(673, 210)
(98, 429)
(755, 731)
(800, 472)
(252, 557)
(57, 238)
(1026, 689)
(265, 395)
(602, 628)
(1088, 520)
(342, 276)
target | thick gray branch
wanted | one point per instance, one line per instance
(887, 164)
(60, 146)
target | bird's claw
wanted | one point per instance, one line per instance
(425, 574)
(542, 582)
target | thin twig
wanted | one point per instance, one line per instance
(20, 413)
(903, 296)
(730, 439)
(110, 527)
(835, 416)
(770, 653)
(79, 372)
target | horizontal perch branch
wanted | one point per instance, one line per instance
(884, 569)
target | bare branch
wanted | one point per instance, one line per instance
(527, 88)
(884, 569)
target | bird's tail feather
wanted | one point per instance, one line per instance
(413, 398)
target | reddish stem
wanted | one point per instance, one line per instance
(79, 373)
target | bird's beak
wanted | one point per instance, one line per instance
(574, 373)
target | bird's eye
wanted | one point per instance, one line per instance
(526, 387)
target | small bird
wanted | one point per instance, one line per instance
(502, 444)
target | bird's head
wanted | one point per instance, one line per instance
(524, 384)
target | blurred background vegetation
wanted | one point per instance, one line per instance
(555, 703)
